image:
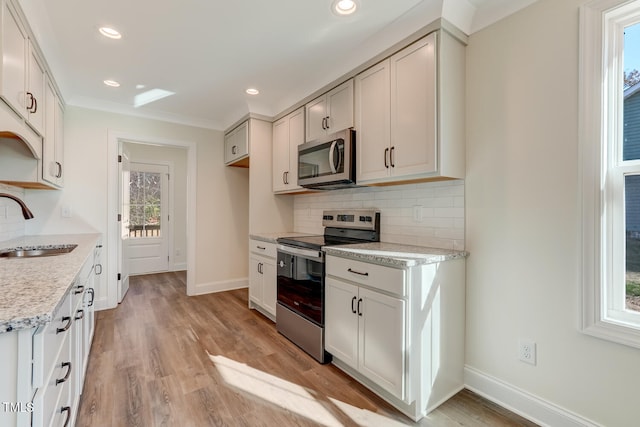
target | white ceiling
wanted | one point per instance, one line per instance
(209, 51)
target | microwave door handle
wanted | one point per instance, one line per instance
(331, 151)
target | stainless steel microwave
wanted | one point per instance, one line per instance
(329, 163)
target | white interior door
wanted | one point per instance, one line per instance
(148, 242)
(123, 247)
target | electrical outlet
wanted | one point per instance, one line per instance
(417, 213)
(527, 351)
(66, 211)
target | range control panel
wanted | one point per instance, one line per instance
(365, 219)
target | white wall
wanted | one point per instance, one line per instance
(523, 219)
(441, 205)
(222, 193)
(178, 159)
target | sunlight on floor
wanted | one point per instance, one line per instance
(292, 397)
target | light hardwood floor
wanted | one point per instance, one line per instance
(164, 359)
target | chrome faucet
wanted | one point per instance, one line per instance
(26, 213)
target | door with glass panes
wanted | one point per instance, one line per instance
(148, 218)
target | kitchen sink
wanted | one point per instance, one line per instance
(36, 251)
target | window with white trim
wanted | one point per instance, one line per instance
(610, 169)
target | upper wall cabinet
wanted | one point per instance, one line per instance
(25, 89)
(236, 146)
(410, 114)
(288, 133)
(330, 113)
(53, 150)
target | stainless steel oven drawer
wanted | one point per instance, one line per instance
(305, 334)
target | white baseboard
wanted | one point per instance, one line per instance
(521, 402)
(221, 286)
(102, 304)
(179, 266)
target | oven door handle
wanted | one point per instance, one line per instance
(303, 253)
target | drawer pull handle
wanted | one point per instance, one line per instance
(262, 248)
(357, 272)
(67, 326)
(98, 269)
(359, 312)
(66, 409)
(79, 314)
(353, 308)
(93, 296)
(79, 289)
(66, 377)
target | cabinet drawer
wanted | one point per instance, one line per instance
(391, 280)
(51, 396)
(262, 248)
(49, 341)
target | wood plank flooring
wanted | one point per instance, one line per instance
(164, 359)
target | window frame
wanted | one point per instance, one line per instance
(602, 171)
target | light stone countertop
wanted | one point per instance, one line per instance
(393, 254)
(271, 237)
(31, 289)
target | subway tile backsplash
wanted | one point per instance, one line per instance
(11, 219)
(426, 214)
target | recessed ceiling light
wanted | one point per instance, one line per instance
(344, 7)
(112, 83)
(252, 91)
(110, 32)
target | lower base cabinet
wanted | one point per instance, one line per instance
(399, 331)
(262, 277)
(44, 367)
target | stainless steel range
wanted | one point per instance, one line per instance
(301, 270)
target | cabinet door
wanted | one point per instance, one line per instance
(14, 59)
(59, 138)
(35, 92)
(49, 166)
(413, 109)
(316, 113)
(340, 107)
(372, 123)
(255, 279)
(296, 137)
(281, 154)
(269, 285)
(382, 340)
(236, 143)
(341, 321)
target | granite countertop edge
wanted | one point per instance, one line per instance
(394, 254)
(32, 289)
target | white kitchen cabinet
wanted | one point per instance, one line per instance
(53, 145)
(330, 113)
(15, 44)
(236, 146)
(410, 114)
(24, 115)
(399, 330)
(43, 371)
(288, 134)
(262, 277)
(35, 94)
(365, 330)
